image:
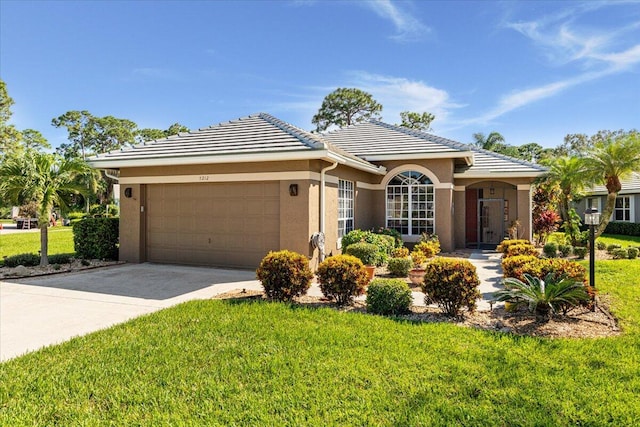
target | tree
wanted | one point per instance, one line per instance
(81, 128)
(9, 135)
(346, 106)
(610, 162)
(531, 152)
(488, 143)
(33, 139)
(569, 174)
(417, 121)
(150, 134)
(46, 179)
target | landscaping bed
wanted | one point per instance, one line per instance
(580, 322)
(75, 265)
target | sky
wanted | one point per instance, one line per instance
(534, 71)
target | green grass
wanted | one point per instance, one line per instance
(231, 363)
(624, 241)
(60, 241)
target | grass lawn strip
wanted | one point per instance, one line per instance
(60, 241)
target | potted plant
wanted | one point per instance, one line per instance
(367, 253)
(416, 274)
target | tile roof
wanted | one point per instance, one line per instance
(374, 139)
(488, 162)
(259, 133)
(261, 137)
(631, 185)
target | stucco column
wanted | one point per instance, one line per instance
(459, 216)
(444, 216)
(524, 211)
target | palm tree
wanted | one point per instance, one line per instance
(609, 163)
(488, 143)
(47, 179)
(569, 174)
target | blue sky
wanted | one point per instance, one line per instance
(533, 71)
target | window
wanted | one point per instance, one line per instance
(411, 204)
(622, 210)
(593, 202)
(345, 207)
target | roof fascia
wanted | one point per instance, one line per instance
(107, 163)
(499, 174)
(367, 167)
(466, 155)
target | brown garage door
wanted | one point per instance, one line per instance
(221, 224)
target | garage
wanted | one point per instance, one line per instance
(217, 224)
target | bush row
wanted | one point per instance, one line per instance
(450, 283)
(96, 238)
(624, 228)
(32, 260)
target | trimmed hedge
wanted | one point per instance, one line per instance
(522, 249)
(365, 252)
(518, 266)
(342, 277)
(505, 244)
(284, 275)
(624, 228)
(383, 242)
(61, 258)
(388, 297)
(399, 267)
(96, 238)
(451, 283)
(28, 260)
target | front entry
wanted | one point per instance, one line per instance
(490, 222)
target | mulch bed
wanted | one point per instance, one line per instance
(76, 265)
(578, 323)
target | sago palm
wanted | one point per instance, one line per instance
(609, 163)
(543, 297)
(46, 179)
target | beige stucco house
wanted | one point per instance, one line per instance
(227, 194)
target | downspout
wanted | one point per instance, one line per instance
(115, 178)
(322, 200)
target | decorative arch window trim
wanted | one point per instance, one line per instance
(417, 168)
(410, 203)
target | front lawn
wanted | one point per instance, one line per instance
(60, 242)
(243, 363)
(624, 241)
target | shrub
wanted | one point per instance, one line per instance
(56, 267)
(452, 284)
(429, 249)
(565, 250)
(513, 266)
(401, 252)
(388, 297)
(580, 252)
(612, 247)
(632, 252)
(624, 228)
(365, 252)
(60, 258)
(342, 277)
(28, 260)
(383, 243)
(96, 238)
(545, 223)
(619, 253)
(540, 268)
(543, 297)
(522, 249)
(85, 262)
(600, 245)
(109, 210)
(399, 267)
(505, 244)
(550, 250)
(397, 237)
(418, 258)
(284, 275)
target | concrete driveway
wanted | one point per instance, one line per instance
(37, 312)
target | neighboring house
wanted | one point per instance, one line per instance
(227, 194)
(627, 207)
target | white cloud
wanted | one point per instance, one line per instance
(398, 94)
(408, 28)
(597, 52)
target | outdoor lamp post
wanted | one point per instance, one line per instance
(592, 218)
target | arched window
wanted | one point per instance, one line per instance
(411, 204)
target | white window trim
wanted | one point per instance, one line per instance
(410, 237)
(598, 200)
(349, 187)
(631, 209)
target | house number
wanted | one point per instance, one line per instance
(204, 177)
